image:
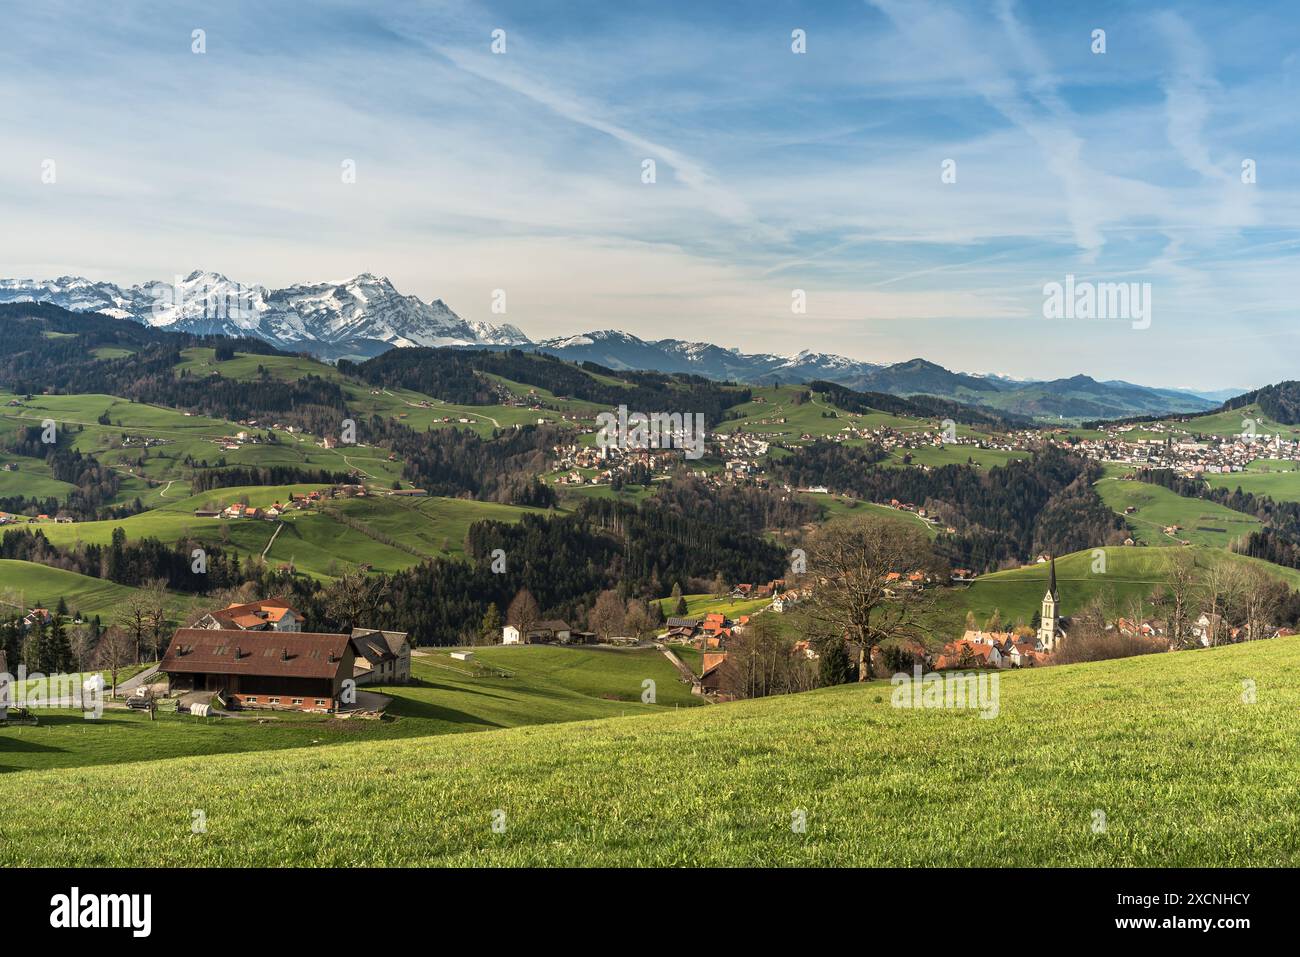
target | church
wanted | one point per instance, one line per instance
(1051, 627)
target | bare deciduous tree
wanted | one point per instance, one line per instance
(354, 599)
(607, 616)
(523, 613)
(117, 649)
(855, 597)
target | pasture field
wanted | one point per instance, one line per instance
(1130, 573)
(33, 479)
(195, 436)
(844, 506)
(1185, 772)
(416, 409)
(1203, 522)
(697, 606)
(41, 586)
(387, 533)
(936, 456)
(761, 417)
(545, 684)
(1277, 480)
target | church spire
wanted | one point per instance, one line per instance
(1051, 578)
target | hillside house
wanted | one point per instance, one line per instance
(711, 673)
(542, 631)
(299, 671)
(681, 628)
(271, 614)
(382, 657)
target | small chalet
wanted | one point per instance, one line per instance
(299, 671)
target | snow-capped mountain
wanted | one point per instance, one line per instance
(621, 350)
(359, 317)
(365, 316)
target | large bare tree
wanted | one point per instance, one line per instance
(117, 649)
(1179, 595)
(354, 599)
(856, 598)
(607, 615)
(524, 613)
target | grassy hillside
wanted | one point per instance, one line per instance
(1132, 572)
(42, 586)
(521, 686)
(316, 541)
(1278, 480)
(763, 414)
(1185, 773)
(181, 435)
(1203, 522)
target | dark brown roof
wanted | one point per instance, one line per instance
(286, 654)
(393, 639)
(371, 646)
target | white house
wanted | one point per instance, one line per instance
(549, 630)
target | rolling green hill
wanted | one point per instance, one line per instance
(1132, 572)
(387, 533)
(1203, 522)
(1161, 747)
(42, 586)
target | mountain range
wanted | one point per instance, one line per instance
(365, 316)
(357, 318)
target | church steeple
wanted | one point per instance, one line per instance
(1049, 626)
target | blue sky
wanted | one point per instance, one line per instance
(775, 171)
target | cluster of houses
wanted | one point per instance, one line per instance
(256, 655)
(241, 510)
(62, 518)
(1167, 448)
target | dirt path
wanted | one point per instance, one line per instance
(274, 536)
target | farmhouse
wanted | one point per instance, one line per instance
(271, 614)
(300, 671)
(551, 630)
(382, 657)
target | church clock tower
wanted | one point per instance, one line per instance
(1049, 625)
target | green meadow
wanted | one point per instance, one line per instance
(1203, 522)
(42, 586)
(1163, 748)
(762, 415)
(386, 533)
(1277, 480)
(1129, 573)
(502, 688)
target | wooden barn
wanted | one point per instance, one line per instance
(301, 671)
